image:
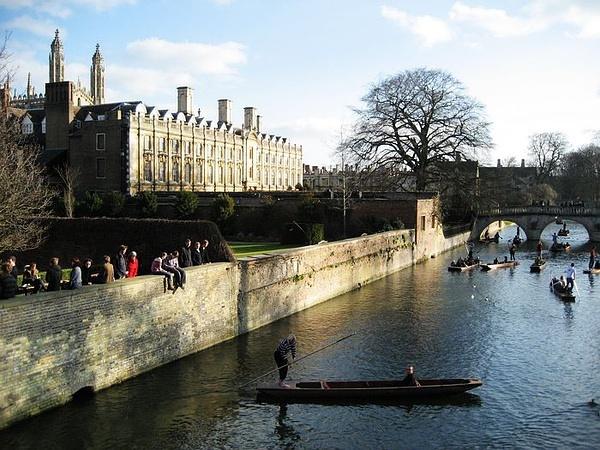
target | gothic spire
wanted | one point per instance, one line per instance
(56, 60)
(97, 77)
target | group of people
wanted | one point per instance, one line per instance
(171, 265)
(124, 265)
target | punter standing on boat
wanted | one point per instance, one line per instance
(554, 238)
(410, 379)
(592, 257)
(286, 346)
(512, 249)
(539, 248)
(570, 276)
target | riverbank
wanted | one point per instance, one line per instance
(59, 344)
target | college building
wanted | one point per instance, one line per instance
(132, 147)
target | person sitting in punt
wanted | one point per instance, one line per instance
(495, 260)
(460, 262)
(505, 259)
(563, 282)
(410, 379)
(597, 265)
(453, 263)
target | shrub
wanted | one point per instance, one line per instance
(223, 208)
(147, 203)
(90, 205)
(186, 204)
(114, 203)
(302, 233)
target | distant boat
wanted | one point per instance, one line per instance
(537, 266)
(558, 221)
(560, 248)
(563, 293)
(489, 240)
(366, 390)
(462, 268)
(500, 265)
(563, 232)
(591, 271)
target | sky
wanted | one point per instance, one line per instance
(305, 64)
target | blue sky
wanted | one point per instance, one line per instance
(534, 64)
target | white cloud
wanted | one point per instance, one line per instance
(497, 21)
(190, 57)
(35, 26)
(223, 2)
(428, 29)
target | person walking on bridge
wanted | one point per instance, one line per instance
(286, 346)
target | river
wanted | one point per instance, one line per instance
(539, 360)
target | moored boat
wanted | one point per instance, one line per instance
(366, 390)
(465, 268)
(500, 265)
(563, 232)
(538, 265)
(566, 295)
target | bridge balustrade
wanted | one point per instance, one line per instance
(559, 211)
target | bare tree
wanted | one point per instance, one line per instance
(24, 194)
(415, 121)
(69, 177)
(547, 151)
(511, 161)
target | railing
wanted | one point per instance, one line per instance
(558, 211)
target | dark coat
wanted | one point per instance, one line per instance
(8, 286)
(120, 266)
(53, 278)
(196, 257)
(86, 274)
(205, 257)
(185, 257)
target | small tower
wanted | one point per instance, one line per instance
(56, 60)
(184, 99)
(97, 77)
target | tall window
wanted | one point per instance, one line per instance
(147, 169)
(423, 223)
(100, 168)
(187, 173)
(210, 174)
(187, 148)
(176, 171)
(198, 149)
(175, 146)
(100, 141)
(147, 142)
(162, 170)
(230, 175)
(161, 144)
(221, 173)
(200, 172)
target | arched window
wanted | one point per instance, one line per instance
(211, 174)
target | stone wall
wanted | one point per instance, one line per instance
(55, 344)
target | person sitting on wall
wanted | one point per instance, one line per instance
(8, 284)
(174, 262)
(185, 256)
(86, 272)
(53, 275)
(410, 379)
(31, 277)
(167, 264)
(121, 263)
(157, 269)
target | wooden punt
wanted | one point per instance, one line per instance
(591, 271)
(500, 265)
(563, 232)
(562, 293)
(366, 390)
(462, 268)
(490, 240)
(537, 267)
(560, 248)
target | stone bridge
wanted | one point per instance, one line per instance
(534, 219)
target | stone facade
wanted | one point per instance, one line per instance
(55, 344)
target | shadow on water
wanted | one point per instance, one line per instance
(463, 400)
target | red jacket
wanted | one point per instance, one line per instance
(132, 267)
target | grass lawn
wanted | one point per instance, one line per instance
(241, 249)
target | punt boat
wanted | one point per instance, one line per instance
(366, 390)
(555, 248)
(462, 268)
(591, 271)
(500, 265)
(562, 293)
(537, 267)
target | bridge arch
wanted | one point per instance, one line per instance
(482, 223)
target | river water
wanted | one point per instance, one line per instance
(539, 360)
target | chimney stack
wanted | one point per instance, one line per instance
(523, 163)
(258, 119)
(184, 99)
(499, 163)
(250, 118)
(225, 110)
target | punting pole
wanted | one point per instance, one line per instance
(297, 360)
